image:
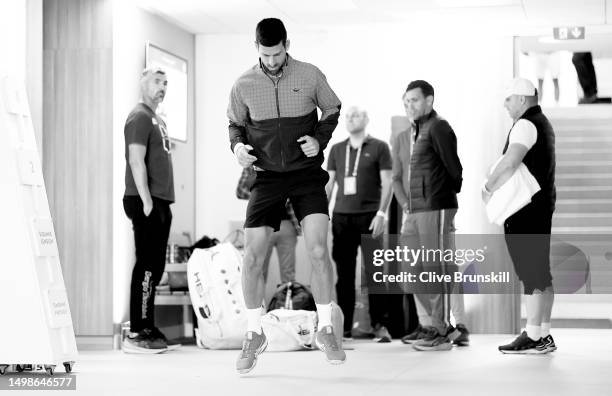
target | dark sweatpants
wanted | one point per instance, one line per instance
(150, 237)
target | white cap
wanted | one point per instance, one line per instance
(520, 86)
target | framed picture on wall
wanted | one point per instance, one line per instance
(173, 109)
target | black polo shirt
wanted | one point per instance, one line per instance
(375, 156)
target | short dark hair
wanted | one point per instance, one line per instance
(426, 87)
(270, 32)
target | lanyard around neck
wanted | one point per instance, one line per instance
(347, 157)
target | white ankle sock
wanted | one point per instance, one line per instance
(545, 329)
(324, 313)
(533, 332)
(254, 320)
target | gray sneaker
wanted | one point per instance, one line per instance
(253, 345)
(381, 334)
(143, 343)
(326, 341)
(418, 334)
(156, 333)
(434, 342)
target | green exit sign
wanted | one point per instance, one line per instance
(569, 33)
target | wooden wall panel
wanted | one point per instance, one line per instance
(77, 146)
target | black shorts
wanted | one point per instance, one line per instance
(305, 189)
(530, 253)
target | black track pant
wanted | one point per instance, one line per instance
(150, 237)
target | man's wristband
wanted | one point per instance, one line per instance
(382, 214)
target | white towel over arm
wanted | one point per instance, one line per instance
(512, 196)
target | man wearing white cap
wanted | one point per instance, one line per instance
(532, 142)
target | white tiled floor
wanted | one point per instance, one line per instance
(582, 366)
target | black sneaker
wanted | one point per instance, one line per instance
(464, 336)
(143, 342)
(418, 334)
(157, 334)
(451, 332)
(547, 344)
(522, 345)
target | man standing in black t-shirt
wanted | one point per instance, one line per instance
(149, 191)
(361, 166)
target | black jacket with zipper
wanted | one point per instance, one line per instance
(435, 168)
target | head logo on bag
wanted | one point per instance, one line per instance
(205, 312)
(216, 296)
(198, 284)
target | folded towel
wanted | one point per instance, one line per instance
(512, 196)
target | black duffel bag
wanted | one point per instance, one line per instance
(292, 295)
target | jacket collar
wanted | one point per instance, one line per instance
(264, 69)
(426, 117)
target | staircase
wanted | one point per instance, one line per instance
(583, 215)
(584, 170)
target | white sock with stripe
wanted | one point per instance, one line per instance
(545, 329)
(534, 332)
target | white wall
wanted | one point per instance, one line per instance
(21, 49)
(34, 65)
(468, 73)
(13, 38)
(132, 28)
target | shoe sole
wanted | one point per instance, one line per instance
(174, 347)
(260, 350)
(524, 352)
(382, 340)
(422, 348)
(461, 343)
(408, 342)
(330, 361)
(142, 351)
